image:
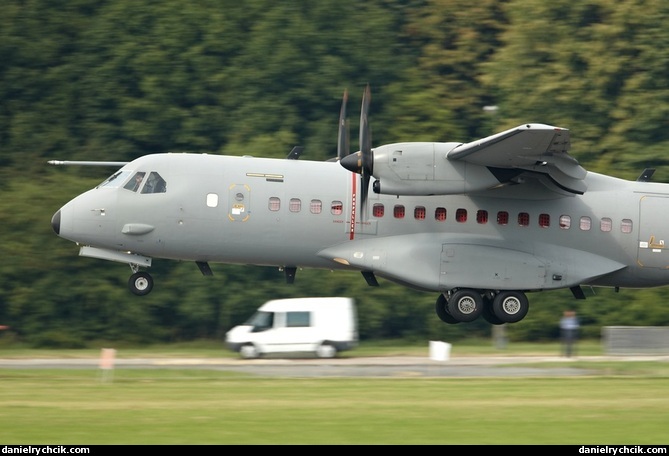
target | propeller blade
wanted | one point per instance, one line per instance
(343, 141)
(367, 158)
(365, 133)
(362, 162)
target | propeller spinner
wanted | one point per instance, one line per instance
(361, 162)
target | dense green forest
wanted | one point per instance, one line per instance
(117, 79)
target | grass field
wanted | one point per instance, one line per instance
(625, 403)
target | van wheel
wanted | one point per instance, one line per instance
(249, 351)
(326, 350)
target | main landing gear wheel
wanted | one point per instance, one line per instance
(442, 311)
(510, 306)
(488, 315)
(140, 283)
(465, 305)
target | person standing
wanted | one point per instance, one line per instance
(569, 331)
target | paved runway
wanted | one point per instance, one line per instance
(405, 366)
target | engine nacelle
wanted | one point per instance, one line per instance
(422, 169)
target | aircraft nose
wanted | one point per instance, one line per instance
(55, 222)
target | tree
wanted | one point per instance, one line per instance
(592, 67)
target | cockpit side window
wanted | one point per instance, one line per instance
(155, 184)
(136, 182)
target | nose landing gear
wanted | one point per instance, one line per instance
(140, 283)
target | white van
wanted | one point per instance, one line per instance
(324, 326)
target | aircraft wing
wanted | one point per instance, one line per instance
(536, 148)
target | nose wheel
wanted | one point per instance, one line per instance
(140, 283)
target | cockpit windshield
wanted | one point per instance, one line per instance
(139, 182)
(152, 184)
(115, 180)
(155, 184)
(136, 182)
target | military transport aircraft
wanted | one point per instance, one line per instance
(480, 223)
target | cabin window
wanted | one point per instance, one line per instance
(419, 213)
(378, 210)
(337, 208)
(398, 211)
(626, 226)
(585, 223)
(481, 217)
(502, 218)
(606, 224)
(523, 219)
(440, 214)
(298, 319)
(544, 220)
(565, 222)
(212, 199)
(295, 205)
(274, 204)
(316, 206)
(461, 215)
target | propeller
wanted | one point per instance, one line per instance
(362, 162)
(343, 142)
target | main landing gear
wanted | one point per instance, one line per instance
(466, 305)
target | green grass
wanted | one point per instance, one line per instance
(619, 403)
(215, 407)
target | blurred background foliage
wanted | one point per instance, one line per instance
(114, 80)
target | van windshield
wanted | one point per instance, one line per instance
(261, 321)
